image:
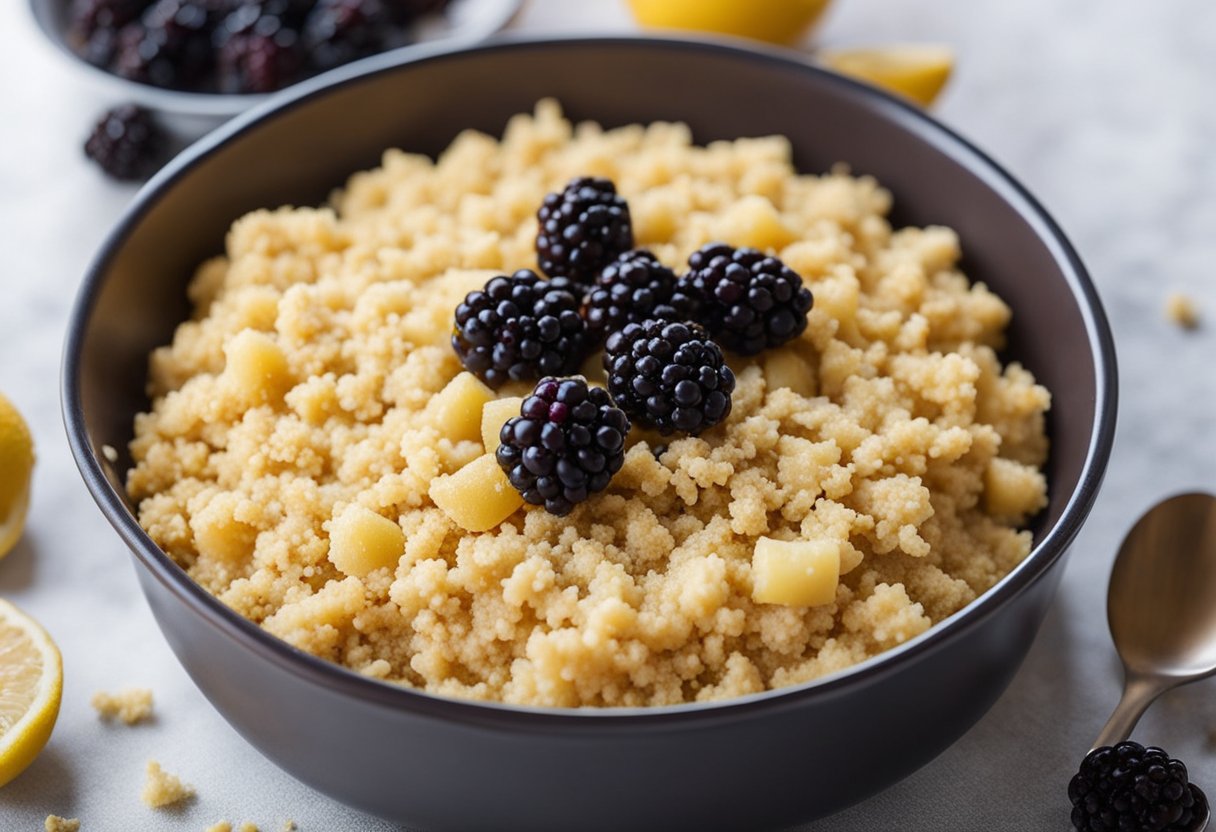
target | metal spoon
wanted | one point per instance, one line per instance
(1161, 606)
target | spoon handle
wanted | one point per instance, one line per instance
(1138, 693)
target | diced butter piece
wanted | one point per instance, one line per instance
(477, 497)
(798, 573)
(753, 221)
(457, 407)
(257, 367)
(1013, 491)
(785, 368)
(493, 416)
(361, 540)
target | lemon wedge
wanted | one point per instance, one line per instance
(775, 21)
(31, 685)
(16, 465)
(915, 71)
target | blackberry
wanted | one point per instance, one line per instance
(257, 52)
(340, 31)
(565, 444)
(632, 288)
(170, 45)
(747, 300)
(520, 327)
(126, 143)
(669, 375)
(582, 229)
(1130, 787)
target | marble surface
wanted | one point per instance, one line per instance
(1102, 107)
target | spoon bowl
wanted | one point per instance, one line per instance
(1161, 605)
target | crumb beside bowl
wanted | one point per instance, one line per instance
(766, 760)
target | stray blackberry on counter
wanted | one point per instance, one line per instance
(565, 445)
(582, 229)
(748, 301)
(669, 375)
(520, 327)
(1130, 787)
(126, 143)
(631, 288)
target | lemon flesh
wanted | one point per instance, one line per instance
(16, 465)
(775, 21)
(31, 686)
(915, 71)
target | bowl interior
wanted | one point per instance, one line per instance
(296, 153)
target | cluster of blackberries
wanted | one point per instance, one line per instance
(236, 46)
(662, 335)
(1130, 787)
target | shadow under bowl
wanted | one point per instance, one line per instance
(758, 762)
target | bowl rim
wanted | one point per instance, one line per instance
(505, 716)
(220, 105)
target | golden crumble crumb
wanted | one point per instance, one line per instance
(54, 823)
(1182, 310)
(248, 827)
(222, 826)
(130, 706)
(289, 826)
(110, 453)
(313, 459)
(162, 788)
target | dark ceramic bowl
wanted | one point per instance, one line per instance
(759, 762)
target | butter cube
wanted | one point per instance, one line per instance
(799, 573)
(361, 540)
(257, 367)
(493, 416)
(785, 368)
(477, 497)
(457, 407)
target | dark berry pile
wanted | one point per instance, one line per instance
(519, 327)
(669, 376)
(236, 46)
(663, 339)
(565, 444)
(747, 300)
(632, 288)
(1130, 787)
(582, 229)
(126, 143)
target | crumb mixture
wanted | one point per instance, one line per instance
(54, 823)
(889, 432)
(131, 706)
(162, 788)
(1181, 310)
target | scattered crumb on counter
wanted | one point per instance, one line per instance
(54, 823)
(289, 826)
(248, 827)
(109, 453)
(222, 826)
(131, 705)
(1180, 309)
(162, 788)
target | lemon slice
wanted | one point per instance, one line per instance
(16, 465)
(31, 685)
(775, 21)
(915, 71)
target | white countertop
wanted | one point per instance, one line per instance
(1104, 108)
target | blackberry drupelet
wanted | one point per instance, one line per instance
(582, 229)
(93, 26)
(1130, 787)
(632, 288)
(340, 31)
(747, 300)
(126, 143)
(669, 375)
(263, 55)
(565, 445)
(520, 327)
